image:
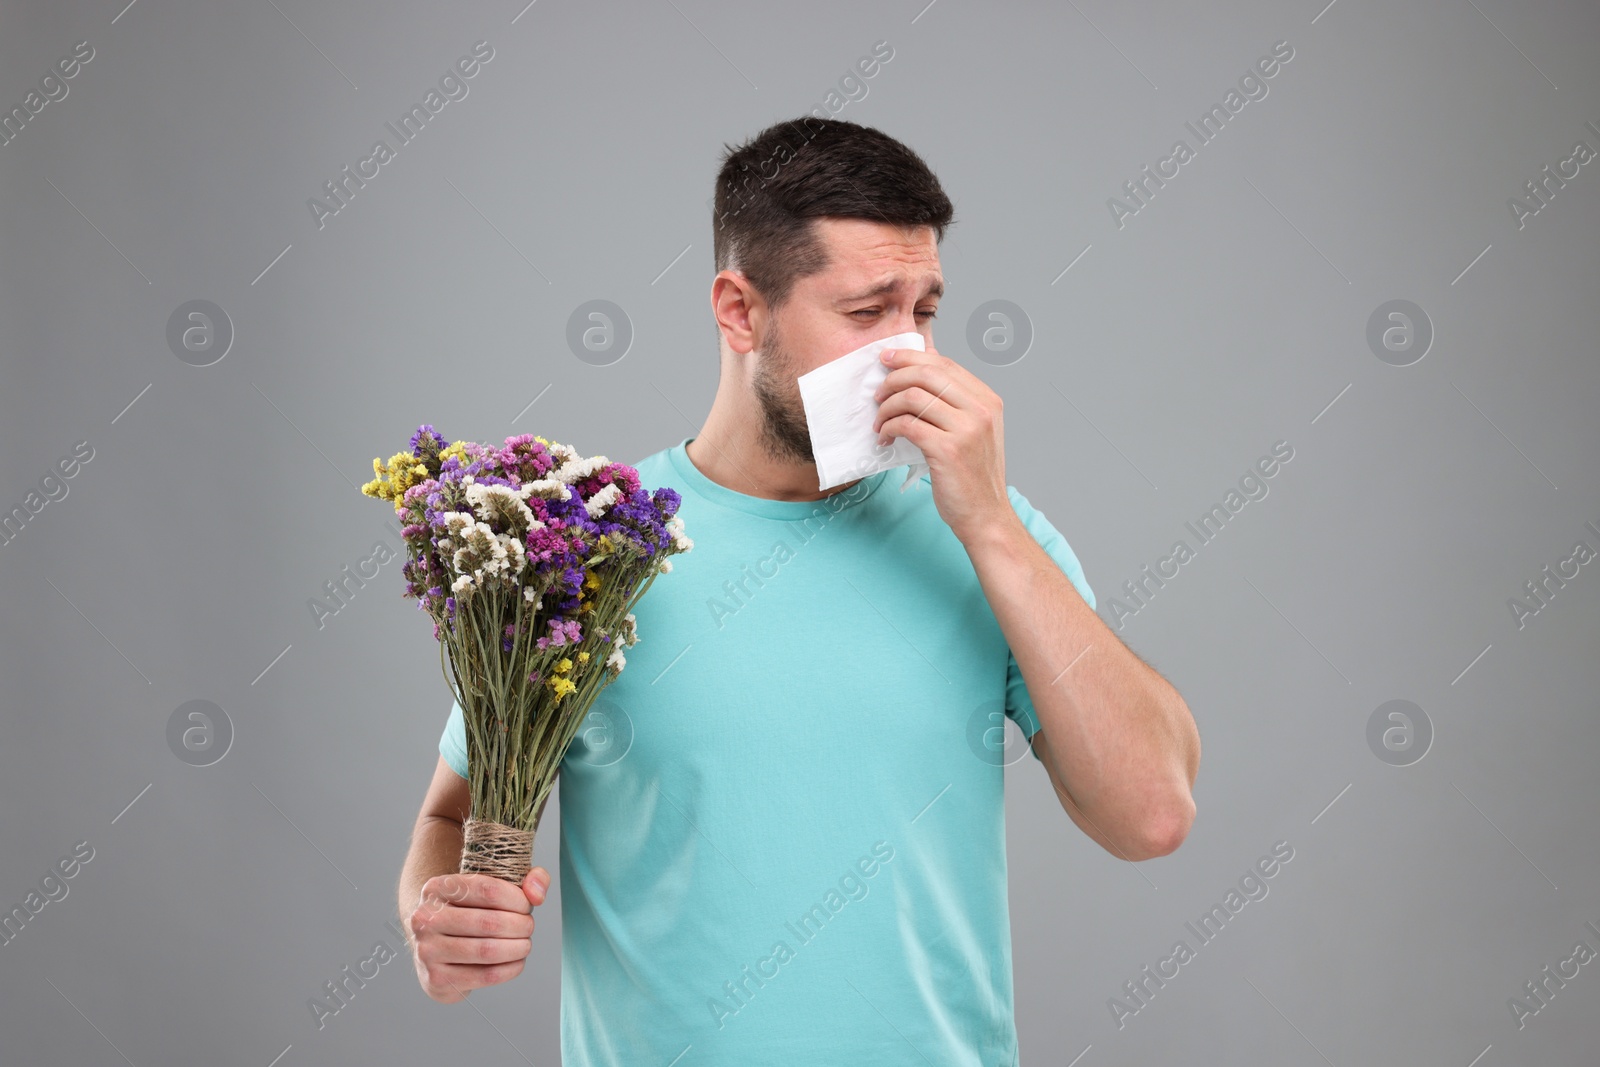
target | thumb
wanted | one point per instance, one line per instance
(535, 884)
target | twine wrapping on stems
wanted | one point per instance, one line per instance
(493, 848)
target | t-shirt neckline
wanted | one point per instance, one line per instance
(693, 481)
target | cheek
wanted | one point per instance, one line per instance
(813, 336)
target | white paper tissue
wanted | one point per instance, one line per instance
(840, 411)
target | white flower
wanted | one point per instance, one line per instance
(577, 468)
(597, 504)
(514, 553)
(547, 488)
(456, 521)
(492, 502)
(496, 562)
(461, 585)
(481, 554)
(666, 566)
(680, 543)
(616, 659)
(529, 593)
(631, 638)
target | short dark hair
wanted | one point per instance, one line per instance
(772, 186)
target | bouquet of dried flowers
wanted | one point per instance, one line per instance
(530, 560)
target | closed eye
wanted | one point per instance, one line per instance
(877, 311)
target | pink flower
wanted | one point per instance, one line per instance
(563, 632)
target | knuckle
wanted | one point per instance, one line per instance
(430, 984)
(504, 972)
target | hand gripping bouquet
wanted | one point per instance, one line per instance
(530, 559)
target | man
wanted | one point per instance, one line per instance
(784, 843)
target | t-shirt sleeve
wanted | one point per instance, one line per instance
(453, 742)
(1019, 705)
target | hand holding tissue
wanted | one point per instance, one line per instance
(841, 408)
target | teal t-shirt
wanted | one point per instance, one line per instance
(782, 826)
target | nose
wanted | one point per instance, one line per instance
(906, 322)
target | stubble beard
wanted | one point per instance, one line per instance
(785, 434)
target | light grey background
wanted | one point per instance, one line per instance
(1230, 313)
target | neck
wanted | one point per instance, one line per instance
(730, 450)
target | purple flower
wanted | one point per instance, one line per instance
(426, 440)
(563, 632)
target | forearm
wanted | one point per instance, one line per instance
(1121, 740)
(435, 850)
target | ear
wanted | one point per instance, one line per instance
(739, 310)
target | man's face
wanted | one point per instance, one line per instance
(880, 280)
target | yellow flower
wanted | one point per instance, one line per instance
(394, 477)
(583, 657)
(564, 666)
(561, 687)
(592, 582)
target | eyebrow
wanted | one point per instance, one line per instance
(935, 288)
